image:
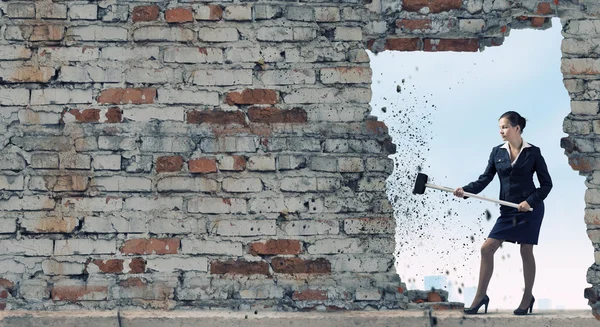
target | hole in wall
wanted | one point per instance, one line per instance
(442, 111)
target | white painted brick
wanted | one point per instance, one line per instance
(8, 225)
(191, 246)
(351, 14)
(72, 160)
(68, 53)
(20, 10)
(153, 76)
(28, 247)
(123, 184)
(34, 289)
(351, 165)
(221, 77)
(147, 113)
(582, 28)
(369, 294)
(221, 34)
(287, 162)
(312, 95)
(114, 224)
(358, 55)
(51, 10)
(243, 227)
(107, 162)
(44, 160)
(261, 163)
(116, 143)
(60, 96)
(14, 52)
(12, 182)
(93, 204)
(348, 34)
(231, 163)
(83, 12)
(584, 107)
(304, 204)
(14, 97)
(376, 27)
(187, 184)
(125, 54)
(287, 76)
(275, 54)
(88, 143)
(328, 164)
(167, 144)
(471, 25)
(14, 33)
(177, 264)
(265, 205)
(311, 227)
(27, 203)
(31, 117)
(265, 11)
(162, 225)
(242, 54)
(299, 184)
(242, 185)
(53, 267)
(193, 55)
(301, 13)
(48, 223)
(84, 246)
(369, 226)
(371, 184)
(327, 14)
(11, 266)
(347, 75)
(580, 66)
(275, 34)
(238, 12)
(98, 33)
(156, 33)
(360, 263)
(170, 96)
(207, 12)
(257, 290)
(150, 204)
(304, 33)
(217, 205)
(335, 246)
(88, 74)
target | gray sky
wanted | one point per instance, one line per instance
(470, 91)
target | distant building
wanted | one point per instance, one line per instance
(543, 304)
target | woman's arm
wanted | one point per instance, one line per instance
(541, 170)
(485, 178)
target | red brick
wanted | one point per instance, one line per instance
(537, 21)
(114, 115)
(239, 163)
(111, 266)
(370, 44)
(31, 75)
(275, 115)
(275, 247)
(202, 165)
(435, 6)
(6, 283)
(179, 15)
(169, 164)
(459, 45)
(544, 8)
(132, 282)
(151, 246)
(3, 293)
(76, 293)
(252, 96)
(583, 163)
(301, 266)
(308, 295)
(216, 12)
(128, 95)
(434, 297)
(137, 266)
(86, 116)
(47, 33)
(2, 305)
(239, 267)
(399, 44)
(145, 13)
(376, 127)
(216, 117)
(413, 24)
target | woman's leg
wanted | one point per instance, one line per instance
(528, 273)
(489, 247)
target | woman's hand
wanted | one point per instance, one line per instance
(459, 192)
(524, 206)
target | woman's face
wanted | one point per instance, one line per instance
(508, 132)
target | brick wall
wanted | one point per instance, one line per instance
(171, 154)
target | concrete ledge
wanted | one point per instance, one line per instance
(411, 318)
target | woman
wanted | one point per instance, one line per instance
(515, 161)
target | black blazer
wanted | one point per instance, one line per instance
(516, 183)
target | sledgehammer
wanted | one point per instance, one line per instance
(421, 184)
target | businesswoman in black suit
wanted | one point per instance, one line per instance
(515, 161)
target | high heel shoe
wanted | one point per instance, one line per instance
(473, 310)
(521, 312)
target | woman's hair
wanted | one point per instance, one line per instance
(514, 119)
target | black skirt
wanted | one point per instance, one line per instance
(518, 227)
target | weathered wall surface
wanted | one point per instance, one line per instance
(172, 154)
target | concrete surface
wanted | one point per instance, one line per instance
(446, 318)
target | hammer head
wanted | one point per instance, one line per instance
(420, 184)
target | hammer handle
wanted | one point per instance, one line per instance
(471, 195)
